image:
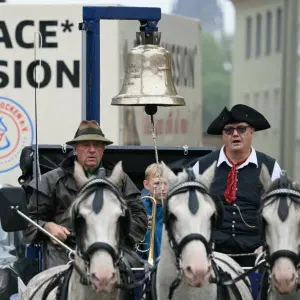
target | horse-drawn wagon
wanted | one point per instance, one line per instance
(149, 66)
(134, 159)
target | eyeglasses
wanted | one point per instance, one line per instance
(240, 129)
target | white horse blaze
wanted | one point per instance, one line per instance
(195, 264)
(103, 272)
(284, 275)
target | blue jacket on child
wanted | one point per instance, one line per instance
(158, 227)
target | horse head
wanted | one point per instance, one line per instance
(280, 230)
(190, 211)
(101, 222)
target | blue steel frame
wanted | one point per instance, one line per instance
(148, 17)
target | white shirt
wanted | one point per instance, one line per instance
(251, 159)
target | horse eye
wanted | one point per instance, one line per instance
(80, 222)
(264, 221)
(172, 217)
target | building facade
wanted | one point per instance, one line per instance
(258, 70)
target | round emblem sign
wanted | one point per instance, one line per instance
(16, 132)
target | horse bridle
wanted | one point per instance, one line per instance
(191, 186)
(283, 192)
(85, 254)
(293, 256)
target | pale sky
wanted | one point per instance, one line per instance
(166, 6)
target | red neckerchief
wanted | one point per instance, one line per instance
(230, 193)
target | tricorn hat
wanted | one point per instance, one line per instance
(89, 131)
(239, 113)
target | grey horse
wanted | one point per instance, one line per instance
(280, 224)
(190, 218)
(100, 227)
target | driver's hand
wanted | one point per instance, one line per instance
(60, 232)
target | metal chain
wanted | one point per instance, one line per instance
(158, 174)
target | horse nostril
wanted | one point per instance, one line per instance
(189, 270)
(104, 279)
(94, 277)
(113, 276)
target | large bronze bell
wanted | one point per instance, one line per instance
(148, 78)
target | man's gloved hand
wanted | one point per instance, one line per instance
(60, 232)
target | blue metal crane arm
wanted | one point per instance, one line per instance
(97, 13)
(148, 17)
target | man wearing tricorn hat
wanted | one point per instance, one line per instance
(57, 190)
(237, 181)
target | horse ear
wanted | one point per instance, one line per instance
(169, 175)
(117, 174)
(208, 175)
(296, 185)
(265, 177)
(79, 175)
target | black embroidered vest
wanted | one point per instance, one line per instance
(234, 236)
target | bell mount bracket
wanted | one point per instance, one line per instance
(90, 27)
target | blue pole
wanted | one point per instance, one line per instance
(93, 71)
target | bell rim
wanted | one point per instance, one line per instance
(148, 100)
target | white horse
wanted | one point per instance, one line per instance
(280, 225)
(99, 216)
(189, 217)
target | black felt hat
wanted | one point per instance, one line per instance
(238, 113)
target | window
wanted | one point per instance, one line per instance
(256, 101)
(266, 108)
(258, 35)
(248, 37)
(269, 33)
(247, 99)
(277, 108)
(278, 29)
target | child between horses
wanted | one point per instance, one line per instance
(153, 176)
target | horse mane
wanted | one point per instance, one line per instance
(283, 207)
(90, 190)
(85, 194)
(183, 177)
(289, 184)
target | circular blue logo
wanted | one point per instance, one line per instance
(16, 132)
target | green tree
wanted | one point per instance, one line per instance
(216, 76)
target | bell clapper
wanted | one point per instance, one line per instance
(151, 109)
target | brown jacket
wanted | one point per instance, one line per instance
(57, 190)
